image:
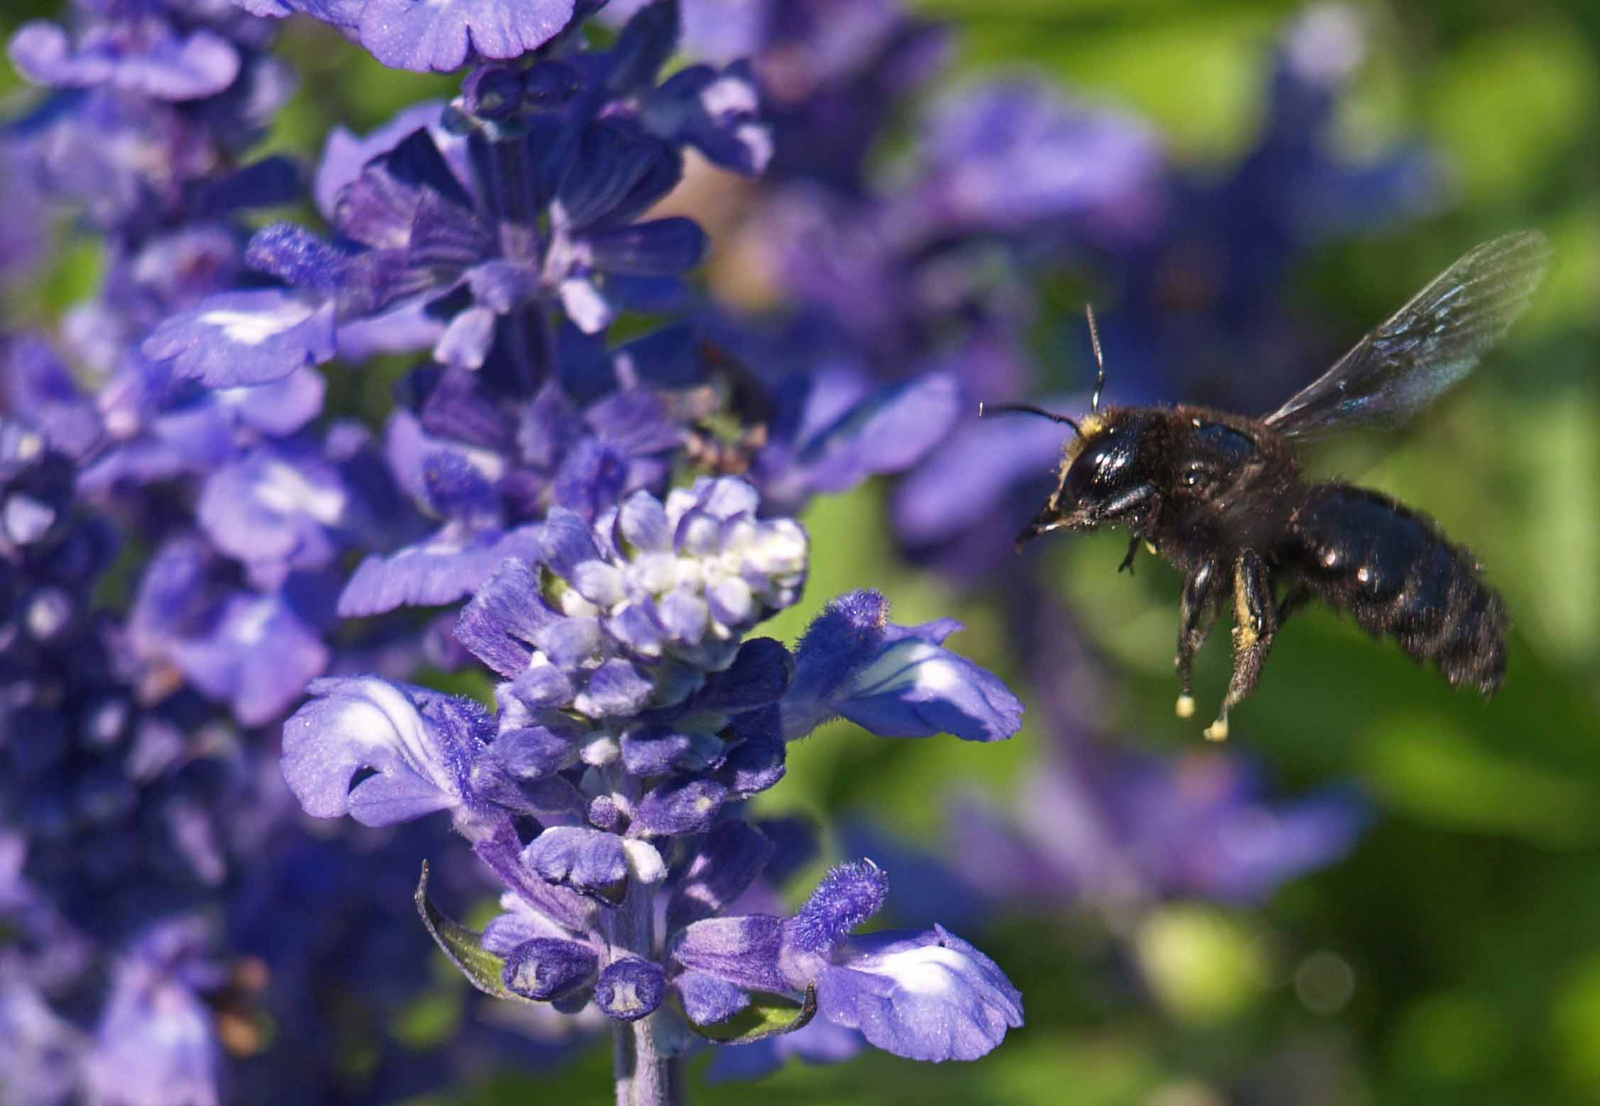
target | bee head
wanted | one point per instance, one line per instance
(1101, 469)
(1104, 468)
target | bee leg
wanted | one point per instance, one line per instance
(1201, 600)
(1127, 561)
(1255, 625)
(1298, 596)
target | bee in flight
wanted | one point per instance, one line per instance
(1221, 497)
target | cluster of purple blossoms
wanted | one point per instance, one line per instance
(527, 467)
(606, 791)
(125, 816)
(130, 790)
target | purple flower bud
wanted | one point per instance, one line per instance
(642, 526)
(847, 896)
(630, 988)
(615, 690)
(566, 542)
(680, 806)
(758, 756)
(603, 812)
(759, 675)
(530, 752)
(656, 750)
(549, 84)
(587, 860)
(547, 968)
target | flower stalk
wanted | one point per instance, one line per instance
(647, 1073)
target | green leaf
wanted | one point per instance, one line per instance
(767, 1016)
(483, 969)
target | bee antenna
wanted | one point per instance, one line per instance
(1028, 409)
(1099, 360)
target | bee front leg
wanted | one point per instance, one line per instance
(1255, 625)
(1127, 561)
(1201, 599)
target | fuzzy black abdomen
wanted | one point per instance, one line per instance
(1399, 576)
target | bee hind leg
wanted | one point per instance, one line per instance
(1255, 625)
(1202, 595)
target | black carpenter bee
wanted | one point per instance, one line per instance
(1221, 497)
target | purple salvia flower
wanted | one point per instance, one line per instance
(892, 680)
(148, 103)
(635, 709)
(504, 233)
(925, 996)
(418, 743)
(1113, 828)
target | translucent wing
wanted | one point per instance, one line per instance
(1427, 346)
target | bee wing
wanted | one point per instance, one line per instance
(1426, 347)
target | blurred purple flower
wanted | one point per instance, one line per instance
(157, 1039)
(1117, 828)
(1203, 317)
(537, 231)
(40, 1052)
(149, 102)
(440, 36)
(24, 230)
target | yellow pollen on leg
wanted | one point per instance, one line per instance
(1244, 629)
(1185, 706)
(1218, 730)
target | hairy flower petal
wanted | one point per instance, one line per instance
(924, 996)
(417, 743)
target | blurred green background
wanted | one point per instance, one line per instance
(1455, 956)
